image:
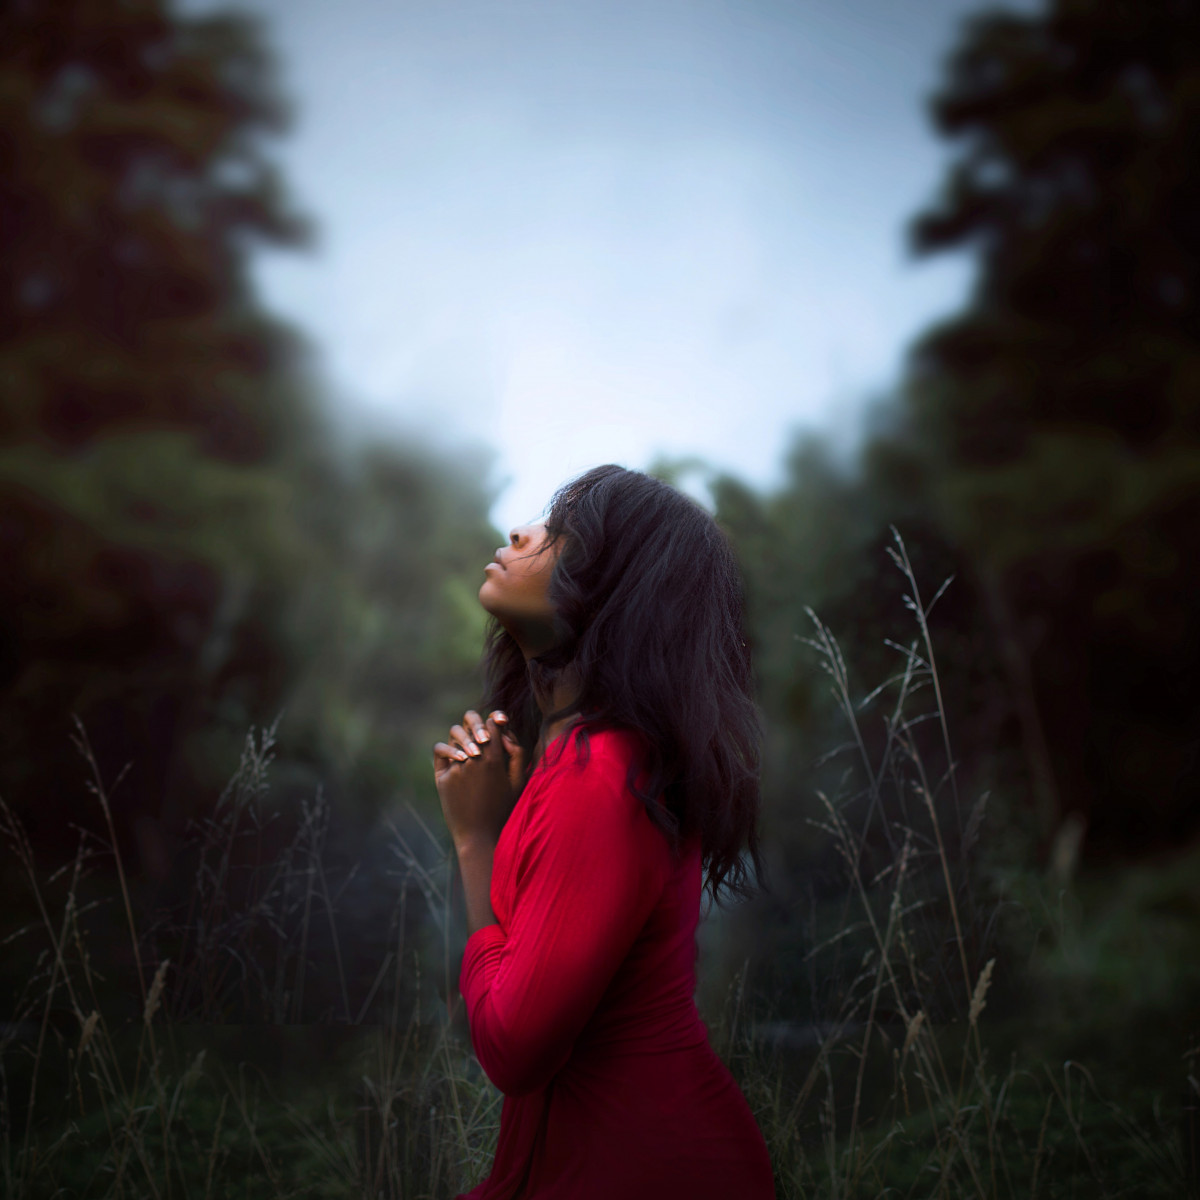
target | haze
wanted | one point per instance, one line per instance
(604, 231)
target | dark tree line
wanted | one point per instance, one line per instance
(1059, 413)
(1043, 446)
(188, 549)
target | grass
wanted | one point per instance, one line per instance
(204, 1093)
(909, 1090)
(238, 1043)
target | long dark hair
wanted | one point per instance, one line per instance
(649, 599)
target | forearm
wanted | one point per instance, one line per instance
(475, 866)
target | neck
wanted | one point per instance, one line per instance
(565, 691)
(534, 639)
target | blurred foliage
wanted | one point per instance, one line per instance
(188, 549)
(822, 546)
(191, 549)
(1043, 447)
(1058, 414)
(1041, 455)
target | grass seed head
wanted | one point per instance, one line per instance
(979, 999)
(156, 988)
(914, 1028)
(88, 1031)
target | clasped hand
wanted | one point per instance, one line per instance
(479, 774)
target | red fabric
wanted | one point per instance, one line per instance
(580, 1001)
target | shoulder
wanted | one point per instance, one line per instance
(579, 808)
(589, 773)
(599, 756)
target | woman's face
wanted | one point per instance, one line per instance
(517, 583)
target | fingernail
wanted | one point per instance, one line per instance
(459, 755)
(499, 718)
(482, 735)
(472, 748)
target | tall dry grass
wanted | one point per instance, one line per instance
(94, 1103)
(891, 1091)
(901, 1095)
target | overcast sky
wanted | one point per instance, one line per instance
(599, 230)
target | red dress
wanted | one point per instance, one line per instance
(580, 1001)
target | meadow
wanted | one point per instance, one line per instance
(943, 1022)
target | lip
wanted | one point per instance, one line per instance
(495, 562)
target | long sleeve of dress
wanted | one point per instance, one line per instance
(589, 866)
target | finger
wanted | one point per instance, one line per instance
(516, 763)
(474, 722)
(494, 750)
(445, 758)
(500, 720)
(465, 740)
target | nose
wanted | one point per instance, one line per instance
(514, 542)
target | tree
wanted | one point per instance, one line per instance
(148, 405)
(1060, 411)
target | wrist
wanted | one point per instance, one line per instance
(475, 869)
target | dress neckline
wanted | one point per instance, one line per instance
(558, 737)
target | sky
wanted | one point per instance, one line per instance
(581, 231)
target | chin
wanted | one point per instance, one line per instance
(489, 602)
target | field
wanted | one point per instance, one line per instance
(945, 1023)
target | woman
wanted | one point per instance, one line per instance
(617, 669)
